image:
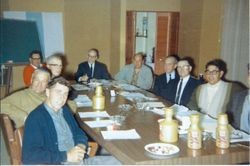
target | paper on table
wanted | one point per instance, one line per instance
(120, 134)
(178, 108)
(244, 136)
(99, 123)
(79, 87)
(101, 114)
(83, 101)
(155, 104)
(158, 111)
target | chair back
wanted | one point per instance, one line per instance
(93, 147)
(13, 139)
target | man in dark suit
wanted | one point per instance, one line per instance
(239, 109)
(165, 83)
(187, 83)
(92, 69)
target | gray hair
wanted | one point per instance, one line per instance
(56, 55)
(40, 71)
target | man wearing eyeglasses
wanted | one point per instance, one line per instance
(54, 64)
(92, 69)
(35, 62)
(212, 98)
(187, 83)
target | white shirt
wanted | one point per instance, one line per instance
(172, 76)
(93, 67)
(184, 83)
(212, 90)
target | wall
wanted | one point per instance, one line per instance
(29, 5)
(87, 25)
(145, 5)
(200, 28)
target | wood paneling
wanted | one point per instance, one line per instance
(167, 38)
(130, 36)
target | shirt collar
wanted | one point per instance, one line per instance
(51, 111)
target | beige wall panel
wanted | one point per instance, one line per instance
(210, 31)
(115, 37)
(154, 5)
(190, 29)
(86, 25)
(36, 5)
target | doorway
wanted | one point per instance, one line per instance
(153, 33)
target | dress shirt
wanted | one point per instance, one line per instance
(184, 82)
(245, 115)
(172, 76)
(64, 135)
(211, 91)
(93, 68)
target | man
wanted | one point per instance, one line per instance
(92, 69)
(54, 64)
(137, 73)
(20, 104)
(187, 83)
(212, 98)
(239, 109)
(165, 83)
(51, 134)
(35, 62)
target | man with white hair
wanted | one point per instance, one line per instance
(21, 103)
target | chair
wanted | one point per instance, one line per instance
(93, 147)
(13, 139)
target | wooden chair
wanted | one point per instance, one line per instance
(13, 139)
(93, 147)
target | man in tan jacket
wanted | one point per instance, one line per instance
(21, 103)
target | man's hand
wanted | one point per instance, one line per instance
(84, 78)
(76, 154)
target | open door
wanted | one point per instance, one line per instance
(166, 37)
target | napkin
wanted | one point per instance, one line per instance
(101, 114)
(120, 134)
(83, 101)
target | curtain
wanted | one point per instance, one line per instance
(235, 39)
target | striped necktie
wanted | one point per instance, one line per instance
(177, 98)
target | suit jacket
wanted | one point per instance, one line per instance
(164, 89)
(235, 107)
(100, 71)
(188, 90)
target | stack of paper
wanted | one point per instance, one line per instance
(83, 101)
(79, 87)
(120, 134)
(99, 123)
(154, 104)
(98, 114)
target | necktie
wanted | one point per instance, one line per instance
(91, 70)
(169, 77)
(177, 98)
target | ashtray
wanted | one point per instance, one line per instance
(125, 107)
(118, 119)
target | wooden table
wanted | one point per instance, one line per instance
(145, 123)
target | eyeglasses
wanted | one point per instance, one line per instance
(36, 58)
(213, 72)
(92, 56)
(55, 65)
(183, 67)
